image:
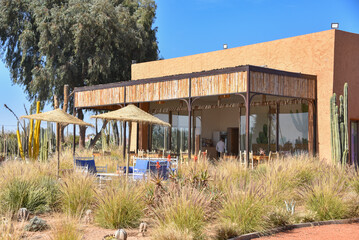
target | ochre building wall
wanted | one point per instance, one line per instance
(309, 54)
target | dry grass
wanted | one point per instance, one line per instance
(77, 193)
(7, 229)
(202, 200)
(67, 229)
(120, 205)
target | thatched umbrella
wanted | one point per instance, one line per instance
(130, 114)
(60, 117)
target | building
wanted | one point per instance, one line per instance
(287, 81)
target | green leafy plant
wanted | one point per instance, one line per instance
(187, 210)
(119, 206)
(77, 193)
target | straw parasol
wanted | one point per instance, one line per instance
(60, 117)
(131, 113)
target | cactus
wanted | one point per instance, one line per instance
(263, 136)
(339, 127)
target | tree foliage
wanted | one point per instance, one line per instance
(49, 43)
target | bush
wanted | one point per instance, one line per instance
(326, 198)
(119, 206)
(77, 192)
(36, 195)
(172, 232)
(66, 230)
(243, 211)
(188, 211)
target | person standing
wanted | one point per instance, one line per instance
(220, 148)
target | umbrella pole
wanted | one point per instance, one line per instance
(58, 150)
(129, 147)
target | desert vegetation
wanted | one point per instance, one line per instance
(201, 200)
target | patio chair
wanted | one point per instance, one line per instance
(83, 162)
(162, 169)
(101, 169)
(140, 169)
(174, 163)
(243, 158)
(82, 169)
(273, 155)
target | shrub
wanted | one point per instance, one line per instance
(35, 195)
(119, 206)
(8, 231)
(188, 211)
(243, 211)
(66, 230)
(171, 232)
(77, 192)
(326, 198)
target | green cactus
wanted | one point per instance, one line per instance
(263, 136)
(339, 127)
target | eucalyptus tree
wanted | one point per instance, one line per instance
(49, 43)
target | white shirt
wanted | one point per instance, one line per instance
(220, 146)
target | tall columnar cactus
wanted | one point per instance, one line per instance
(339, 127)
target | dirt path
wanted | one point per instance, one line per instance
(327, 232)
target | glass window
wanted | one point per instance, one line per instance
(293, 128)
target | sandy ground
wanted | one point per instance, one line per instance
(93, 232)
(327, 232)
(89, 231)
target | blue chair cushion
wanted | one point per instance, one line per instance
(130, 169)
(90, 163)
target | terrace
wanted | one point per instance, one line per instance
(279, 107)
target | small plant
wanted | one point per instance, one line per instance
(290, 206)
(279, 217)
(187, 211)
(119, 206)
(67, 229)
(19, 193)
(326, 198)
(172, 232)
(7, 229)
(244, 210)
(77, 193)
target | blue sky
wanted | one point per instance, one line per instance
(189, 27)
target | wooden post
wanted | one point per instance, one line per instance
(189, 106)
(124, 144)
(128, 149)
(74, 135)
(58, 149)
(194, 133)
(239, 129)
(248, 112)
(170, 131)
(277, 127)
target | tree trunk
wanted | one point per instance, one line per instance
(115, 133)
(97, 136)
(82, 130)
(64, 108)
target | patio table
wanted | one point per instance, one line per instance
(260, 158)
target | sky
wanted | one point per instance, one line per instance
(189, 27)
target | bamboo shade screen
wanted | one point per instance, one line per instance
(282, 85)
(99, 97)
(157, 91)
(219, 84)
